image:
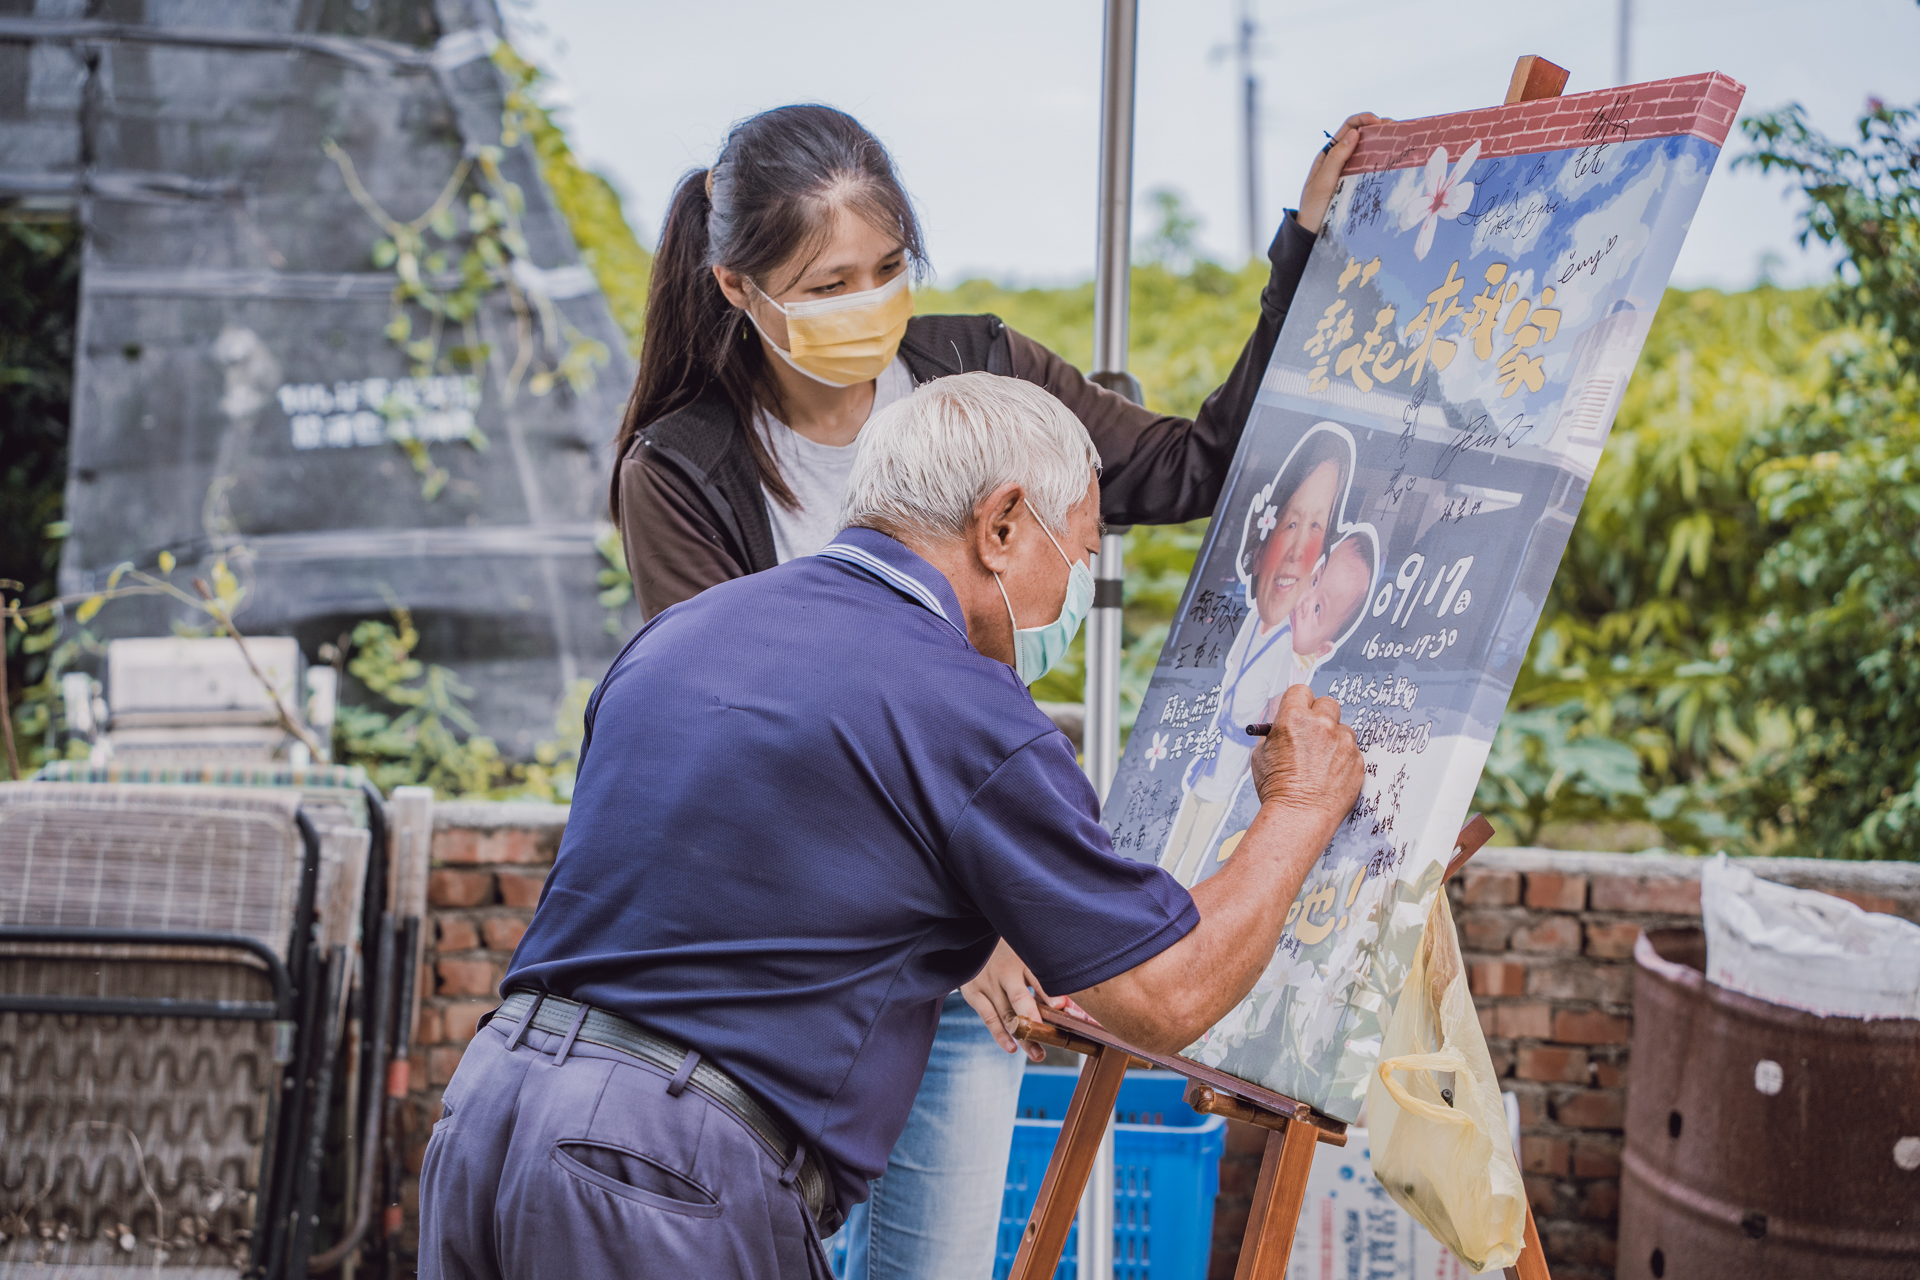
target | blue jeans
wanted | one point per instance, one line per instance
(935, 1214)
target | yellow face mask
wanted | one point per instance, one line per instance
(847, 340)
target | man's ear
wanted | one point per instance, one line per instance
(994, 518)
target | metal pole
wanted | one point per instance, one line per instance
(1113, 276)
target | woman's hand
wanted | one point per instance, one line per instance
(1324, 174)
(1005, 990)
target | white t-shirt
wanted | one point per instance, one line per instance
(817, 473)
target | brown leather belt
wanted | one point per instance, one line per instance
(611, 1031)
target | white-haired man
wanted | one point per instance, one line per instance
(811, 803)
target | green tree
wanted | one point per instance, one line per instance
(1834, 654)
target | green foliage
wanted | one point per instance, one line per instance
(550, 775)
(1548, 761)
(39, 308)
(1737, 602)
(1171, 243)
(1833, 657)
(1863, 199)
(1636, 643)
(591, 206)
(417, 732)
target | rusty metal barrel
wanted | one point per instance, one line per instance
(1763, 1142)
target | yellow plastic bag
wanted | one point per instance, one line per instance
(1451, 1167)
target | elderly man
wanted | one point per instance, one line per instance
(811, 803)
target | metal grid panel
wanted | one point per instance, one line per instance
(150, 857)
(135, 1142)
(132, 1142)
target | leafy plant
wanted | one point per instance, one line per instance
(1833, 655)
(417, 730)
(449, 258)
(620, 264)
(41, 624)
(39, 309)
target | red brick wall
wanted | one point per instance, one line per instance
(1548, 939)
(488, 863)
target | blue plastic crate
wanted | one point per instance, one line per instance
(1166, 1172)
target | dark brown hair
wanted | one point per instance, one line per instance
(779, 178)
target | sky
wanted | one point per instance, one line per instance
(991, 108)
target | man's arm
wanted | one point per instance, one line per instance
(1307, 774)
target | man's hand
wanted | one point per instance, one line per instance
(1310, 758)
(1324, 175)
(1005, 990)
(1308, 773)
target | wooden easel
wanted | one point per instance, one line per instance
(1293, 1130)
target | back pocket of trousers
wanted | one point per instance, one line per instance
(634, 1177)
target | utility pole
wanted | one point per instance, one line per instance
(1242, 49)
(1250, 125)
(1622, 64)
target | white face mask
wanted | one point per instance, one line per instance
(846, 340)
(1038, 650)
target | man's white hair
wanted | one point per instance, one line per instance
(927, 461)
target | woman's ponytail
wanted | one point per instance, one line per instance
(687, 319)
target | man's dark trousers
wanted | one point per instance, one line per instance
(593, 1169)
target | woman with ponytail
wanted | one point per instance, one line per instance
(779, 320)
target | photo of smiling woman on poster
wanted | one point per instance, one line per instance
(1286, 530)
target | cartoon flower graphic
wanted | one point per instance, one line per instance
(1157, 752)
(1438, 194)
(1268, 519)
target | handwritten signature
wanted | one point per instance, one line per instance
(1483, 433)
(1511, 212)
(1369, 202)
(1605, 128)
(1589, 264)
(1410, 415)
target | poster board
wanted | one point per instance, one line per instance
(1392, 521)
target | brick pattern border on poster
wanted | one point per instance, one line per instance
(1702, 106)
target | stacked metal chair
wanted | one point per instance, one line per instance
(175, 963)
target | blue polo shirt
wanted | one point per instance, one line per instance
(806, 809)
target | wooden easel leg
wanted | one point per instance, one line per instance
(1532, 1263)
(1276, 1203)
(1072, 1163)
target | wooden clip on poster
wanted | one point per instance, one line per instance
(1426, 430)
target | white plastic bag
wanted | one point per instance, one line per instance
(1807, 950)
(1450, 1166)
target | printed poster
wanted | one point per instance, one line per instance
(1423, 438)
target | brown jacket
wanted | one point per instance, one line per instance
(692, 512)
